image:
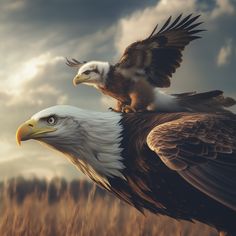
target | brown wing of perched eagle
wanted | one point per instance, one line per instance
(160, 54)
(178, 164)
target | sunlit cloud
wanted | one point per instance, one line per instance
(5, 148)
(28, 70)
(225, 53)
(12, 5)
(34, 96)
(63, 99)
(223, 7)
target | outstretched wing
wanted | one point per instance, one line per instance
(202, 149)
(161, 53)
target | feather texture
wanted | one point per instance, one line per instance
(161, 53)
(202, 149)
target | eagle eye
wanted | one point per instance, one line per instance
(52, 120)
(87, 72)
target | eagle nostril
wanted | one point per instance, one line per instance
(30, 125)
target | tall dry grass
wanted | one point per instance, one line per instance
(37, 207)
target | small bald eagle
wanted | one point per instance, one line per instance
(182, 165)
(148, 64)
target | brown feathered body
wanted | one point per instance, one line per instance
(134, 94)
(182, 165)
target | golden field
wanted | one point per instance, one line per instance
(57, 207)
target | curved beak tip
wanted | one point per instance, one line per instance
(23, 132)
(75, 81)
(18, 138)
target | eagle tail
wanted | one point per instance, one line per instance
(211, 101)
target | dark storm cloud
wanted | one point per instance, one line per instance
(63, 11)
(83, 16)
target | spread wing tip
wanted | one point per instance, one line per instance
(180, 23)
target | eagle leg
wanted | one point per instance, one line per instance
(119, 107)
(113, 109)
(128, 109)
(141, 96)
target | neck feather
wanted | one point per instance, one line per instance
(96, 149)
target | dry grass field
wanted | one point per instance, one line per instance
(37, 207)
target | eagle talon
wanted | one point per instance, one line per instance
(113, 110)
(128, 109)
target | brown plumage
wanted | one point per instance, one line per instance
(182, 165)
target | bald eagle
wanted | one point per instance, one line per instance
(148, 64)
(182, 165)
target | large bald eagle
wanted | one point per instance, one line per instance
(148, 64)
(182, 165)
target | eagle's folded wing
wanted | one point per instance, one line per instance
(160, 54)
(202, 149)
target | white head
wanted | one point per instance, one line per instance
(91, 140)
(92, 73)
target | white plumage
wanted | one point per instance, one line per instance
(94, 140)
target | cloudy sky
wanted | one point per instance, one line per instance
(37, 35)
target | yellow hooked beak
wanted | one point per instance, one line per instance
(80, 79)
(31, 130)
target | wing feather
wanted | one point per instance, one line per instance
(202, 149)
(165, 25)
(161, 53)
(174, 22)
